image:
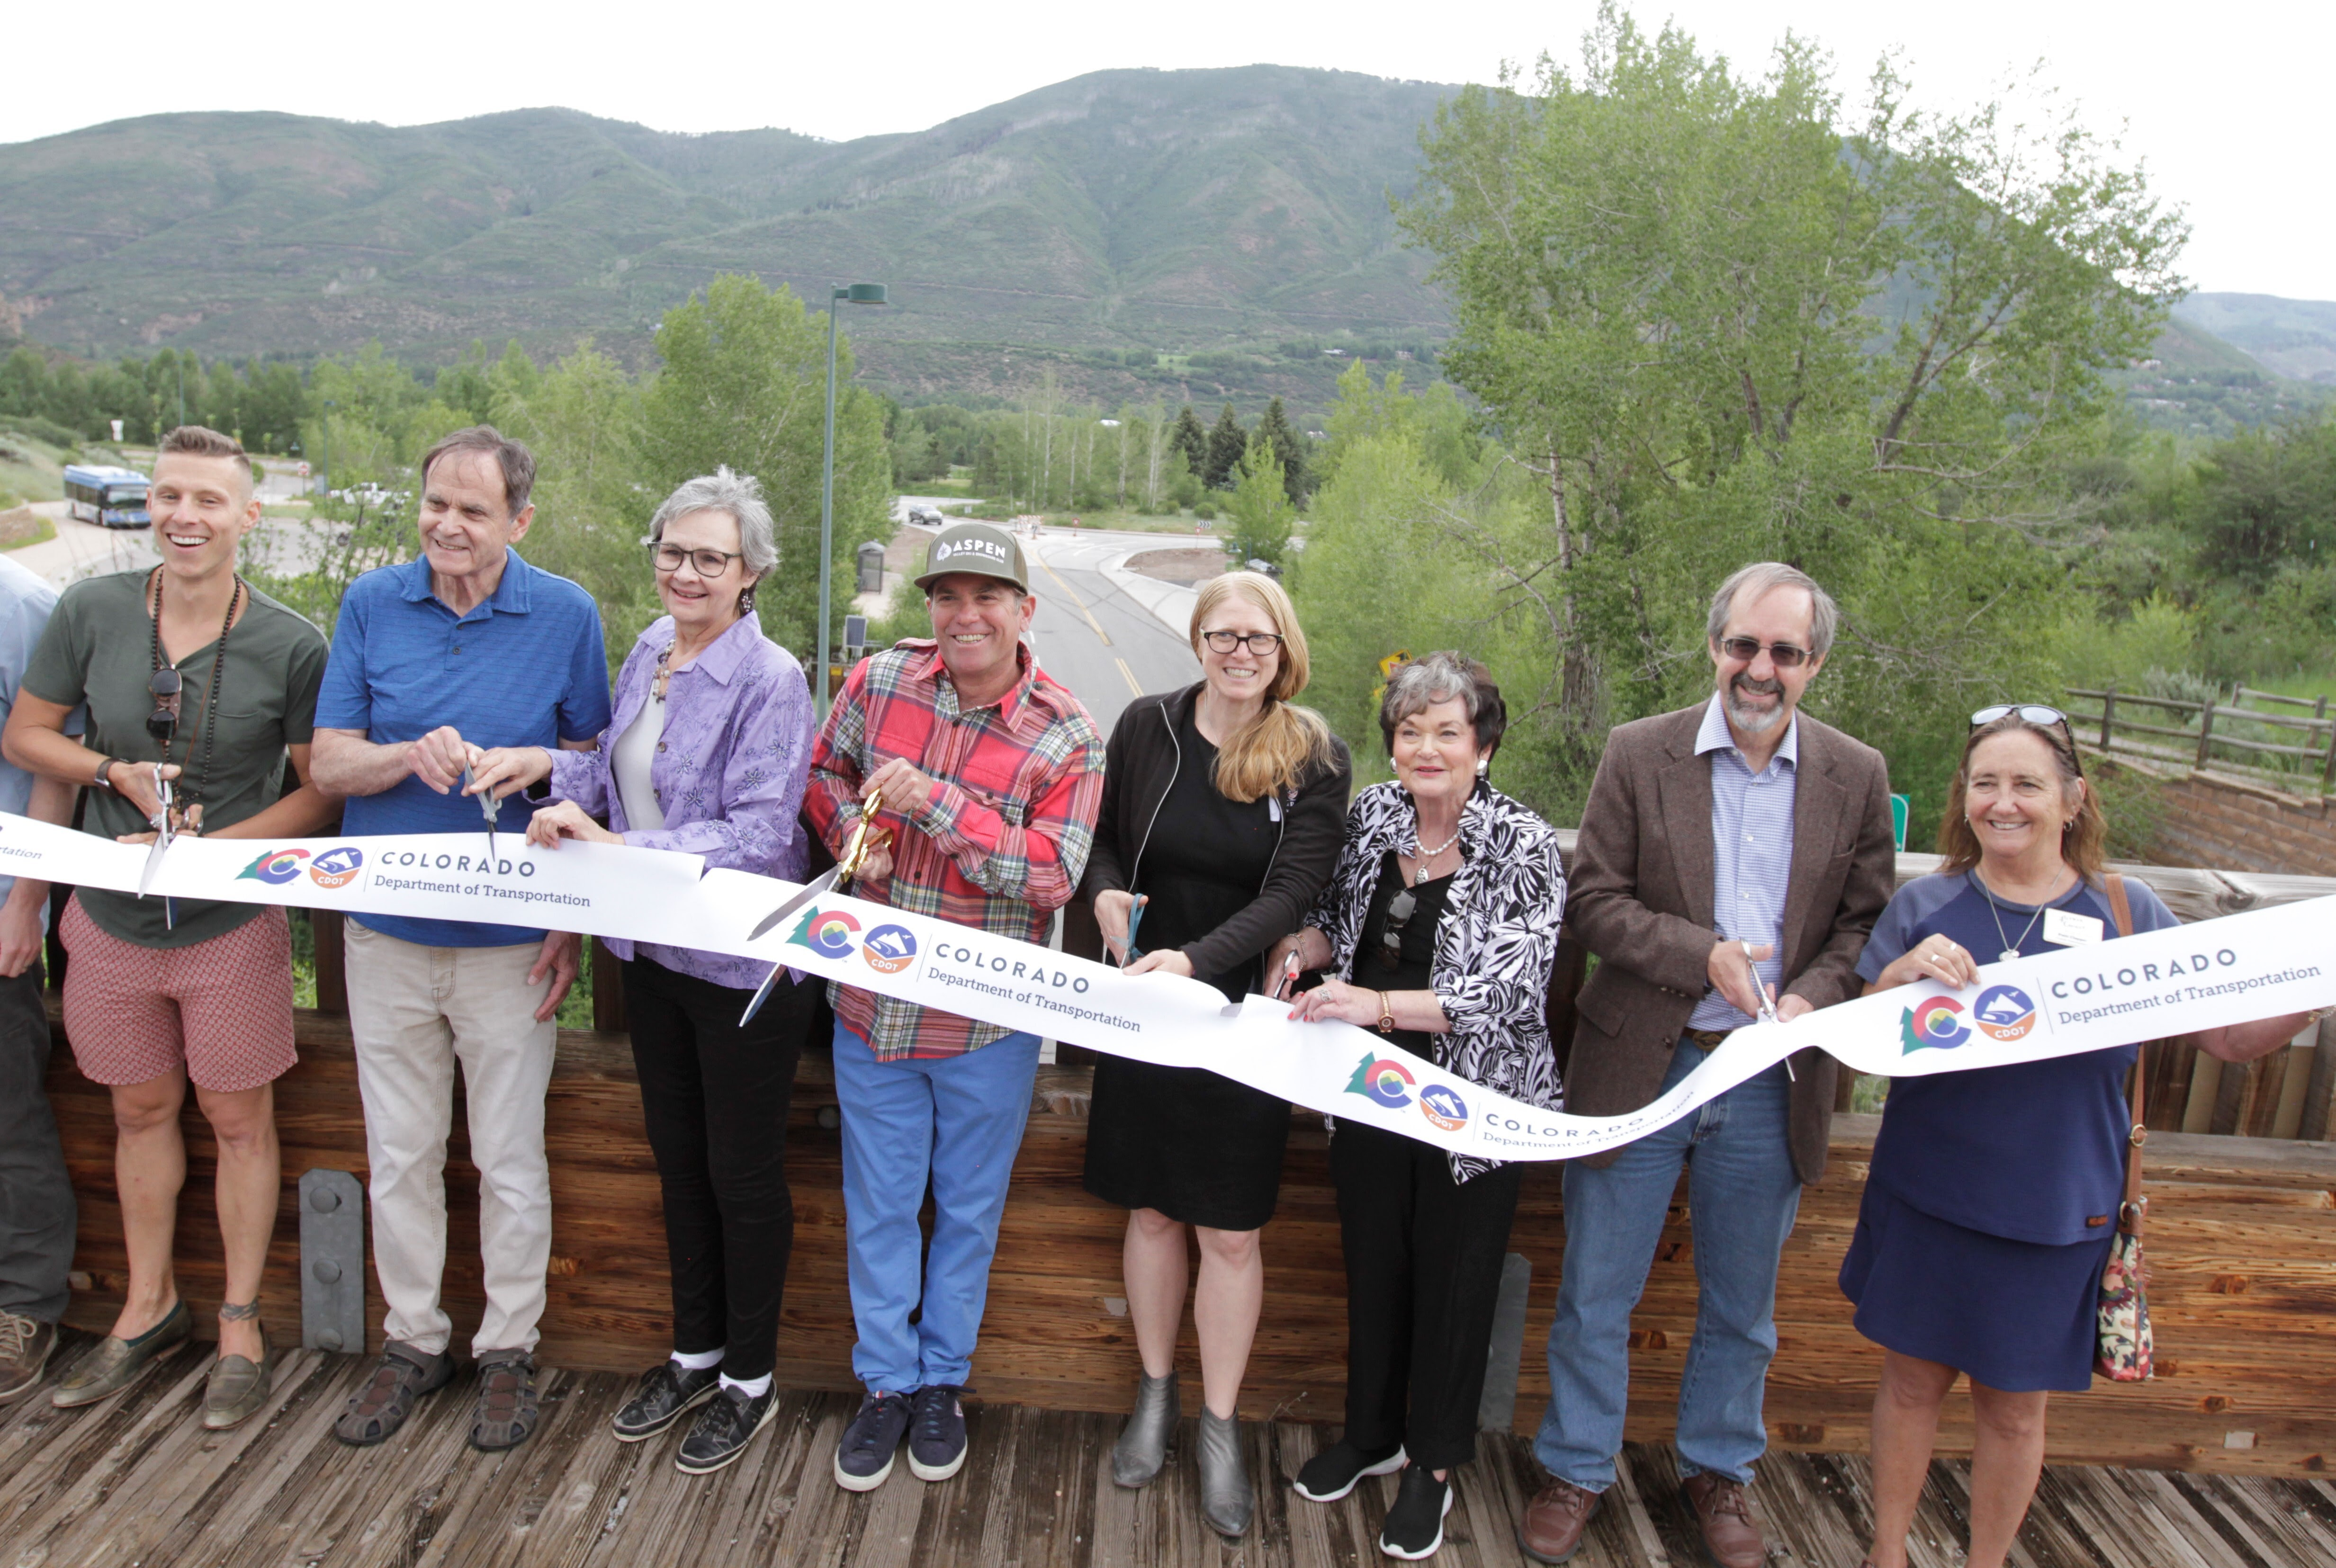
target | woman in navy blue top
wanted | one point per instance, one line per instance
(1993, 1194)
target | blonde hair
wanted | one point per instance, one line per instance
(2084, 843)
(1269, 751)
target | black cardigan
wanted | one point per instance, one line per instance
(1140, 767)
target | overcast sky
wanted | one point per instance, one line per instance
(2226, 105)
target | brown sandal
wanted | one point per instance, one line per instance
(507, 1402)
(378, 1409)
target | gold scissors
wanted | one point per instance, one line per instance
(866, 839)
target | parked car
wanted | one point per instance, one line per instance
(926, 516)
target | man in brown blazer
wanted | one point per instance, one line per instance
(1733, 856)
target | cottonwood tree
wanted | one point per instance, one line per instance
(1718, 324)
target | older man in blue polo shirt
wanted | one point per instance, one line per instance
(433, 662)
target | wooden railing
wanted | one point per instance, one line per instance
(2207, 734)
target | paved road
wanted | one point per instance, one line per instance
(1091, 636)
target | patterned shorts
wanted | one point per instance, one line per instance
(223, 1008)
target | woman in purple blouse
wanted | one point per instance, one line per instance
(707, 755)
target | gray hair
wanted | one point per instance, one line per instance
(740, 495)
(1419, 685)
(1766, 577)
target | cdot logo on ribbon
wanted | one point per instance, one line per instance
(274, 867)
(1388, 1083)
(336, 867)
(1444, 1107)
(827, 932)
(890, 949)
(1934, 1025)
(2003, 1013)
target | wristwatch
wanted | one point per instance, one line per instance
(105, 770)
(1387, 1015)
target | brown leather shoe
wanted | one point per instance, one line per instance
(1551, 1531)
(1731, 1536)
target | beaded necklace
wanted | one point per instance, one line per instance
(191, 793)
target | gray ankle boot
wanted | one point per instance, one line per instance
(1143, 1446)
(1226, 1500)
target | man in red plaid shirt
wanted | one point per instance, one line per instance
(995, 774)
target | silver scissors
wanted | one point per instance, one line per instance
(865, 838)
(164, 836)
(489, 807)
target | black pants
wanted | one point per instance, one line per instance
(1422, 1278)
(36, 1197)
(715, 1097)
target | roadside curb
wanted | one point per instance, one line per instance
(1169, 603)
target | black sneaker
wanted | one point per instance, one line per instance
(863, 1456)
(1334, 1472)
(724, 1429)
(1415, 1525)
(937, 1433)
(668, 1392)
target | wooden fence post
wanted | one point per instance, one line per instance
(2205, 731)
(2108, 714)
(332, 962)
(608, 990)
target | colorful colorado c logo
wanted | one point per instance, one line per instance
(275, 867)
(1934, 1025)
(336, 867)
(1443, 1107)
(1387, 1082)
(2003, 1013)
(890, 949)
(827, 932)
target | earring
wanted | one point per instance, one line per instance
(1484, 765)
(746, 599)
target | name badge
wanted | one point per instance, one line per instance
(2070, 929)
(1273, 808)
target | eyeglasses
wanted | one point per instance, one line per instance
(1398, 917)
(2037, 713)
(1783, 655)
(709, 562)
(167, 685)
(1259, 642)
(2033, 712)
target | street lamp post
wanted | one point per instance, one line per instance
(852, 294)
(325, 458)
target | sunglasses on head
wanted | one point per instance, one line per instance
(2034, 713)
(167, 685)
(1783, 655)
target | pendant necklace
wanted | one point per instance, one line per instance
(1424, 855)
(2010, 948)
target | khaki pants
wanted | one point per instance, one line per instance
(415, 1012)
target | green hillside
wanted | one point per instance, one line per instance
(1123, 210)
(2295, 337)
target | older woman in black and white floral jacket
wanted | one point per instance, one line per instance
(1438, 929)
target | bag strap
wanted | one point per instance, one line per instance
(2133, 1207)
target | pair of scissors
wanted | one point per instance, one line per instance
(490, 806)
(865, 839)
(163, 837)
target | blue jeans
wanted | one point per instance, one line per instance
(1742, 1196)
(957, 1120)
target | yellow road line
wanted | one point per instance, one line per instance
(1133, 684)
(1075, 598)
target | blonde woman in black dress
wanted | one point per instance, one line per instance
(1223, 812)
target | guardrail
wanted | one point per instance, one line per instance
(2206, 734)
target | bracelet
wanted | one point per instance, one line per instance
(105, 769)
(1387, 1015)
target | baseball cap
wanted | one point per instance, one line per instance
(978, 547)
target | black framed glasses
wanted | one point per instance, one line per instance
(1258, 642)
(709, 562)
(1783, 655)
(169, 688)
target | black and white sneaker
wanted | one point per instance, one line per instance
(724, 1429)
(1337, 1470)
(863, 1456)
(1415, 1525)
(666, 1393)
(937, 1433)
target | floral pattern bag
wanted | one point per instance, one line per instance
(2123, 1352)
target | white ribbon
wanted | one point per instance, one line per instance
(2255, 965)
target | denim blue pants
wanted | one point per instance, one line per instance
(1742, 1198)
(957, 1120)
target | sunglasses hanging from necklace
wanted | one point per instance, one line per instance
(1400, 907)
(169, 686)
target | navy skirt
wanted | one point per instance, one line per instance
(2016, 1316)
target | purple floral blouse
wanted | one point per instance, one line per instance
(728, 774)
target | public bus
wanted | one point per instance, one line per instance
(114, 497)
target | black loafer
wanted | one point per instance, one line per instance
(724, 1429)
(1415, 1525)
(667, 1393)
